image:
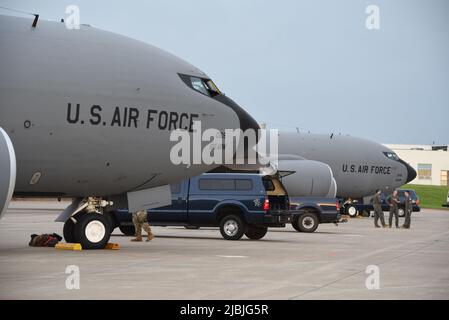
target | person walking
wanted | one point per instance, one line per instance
(140, 220)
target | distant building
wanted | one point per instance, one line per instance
(430, 162)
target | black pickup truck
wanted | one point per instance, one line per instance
(309, 212)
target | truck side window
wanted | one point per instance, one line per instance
(216, 184)
(243, 184)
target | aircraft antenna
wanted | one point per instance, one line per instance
(36, 16)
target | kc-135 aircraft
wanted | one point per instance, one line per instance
(88, 114)
(319, 165)
(339, 165)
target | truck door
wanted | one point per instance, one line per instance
(177, 211)
(205, 193)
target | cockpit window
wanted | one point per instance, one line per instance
(204, 86)
(392, 156)
(199, 85)
(212, 87)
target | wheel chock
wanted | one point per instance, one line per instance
(112, 246)
(69, 246)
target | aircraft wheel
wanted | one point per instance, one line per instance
(92, 230)
(232, 227)
(401, 212)
(352, 211)
(256, 232)
(69, 231)
(128, 230)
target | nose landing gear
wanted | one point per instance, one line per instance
(88, 225)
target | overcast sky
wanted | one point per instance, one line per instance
(307, 64)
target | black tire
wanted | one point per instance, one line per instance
(306, 222)
(128, 230)
(112, 220)
(232, 221)
(69, 231)
(401, 212)
(352, 211)
(256, 232)
(192, 227)
(92, 230)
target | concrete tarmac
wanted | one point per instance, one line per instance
(198, 264)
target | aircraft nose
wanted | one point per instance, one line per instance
(411, 173)
(245, 119)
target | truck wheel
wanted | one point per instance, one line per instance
(92, 230)
(401, 212)
(232, 227)
(69, 231)
(128, 230)
(352, 211)
(256, 232)
(306, 222)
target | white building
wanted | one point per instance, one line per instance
(430, 162)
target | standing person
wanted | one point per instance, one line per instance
(393, 202)
(140, 219)
(408, 208)
(378, 212)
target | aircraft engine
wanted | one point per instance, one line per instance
(310, 178)
(7, 171)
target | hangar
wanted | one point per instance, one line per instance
(431, 162)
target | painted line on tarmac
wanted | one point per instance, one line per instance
(425, 243)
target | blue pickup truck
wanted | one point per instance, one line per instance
(312, 211)
(238, 203)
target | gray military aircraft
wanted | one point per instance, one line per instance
(88, 114)
(337, 165)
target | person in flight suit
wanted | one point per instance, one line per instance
(140, 220)
(393, 201)
(408, 208)
(378, 212)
